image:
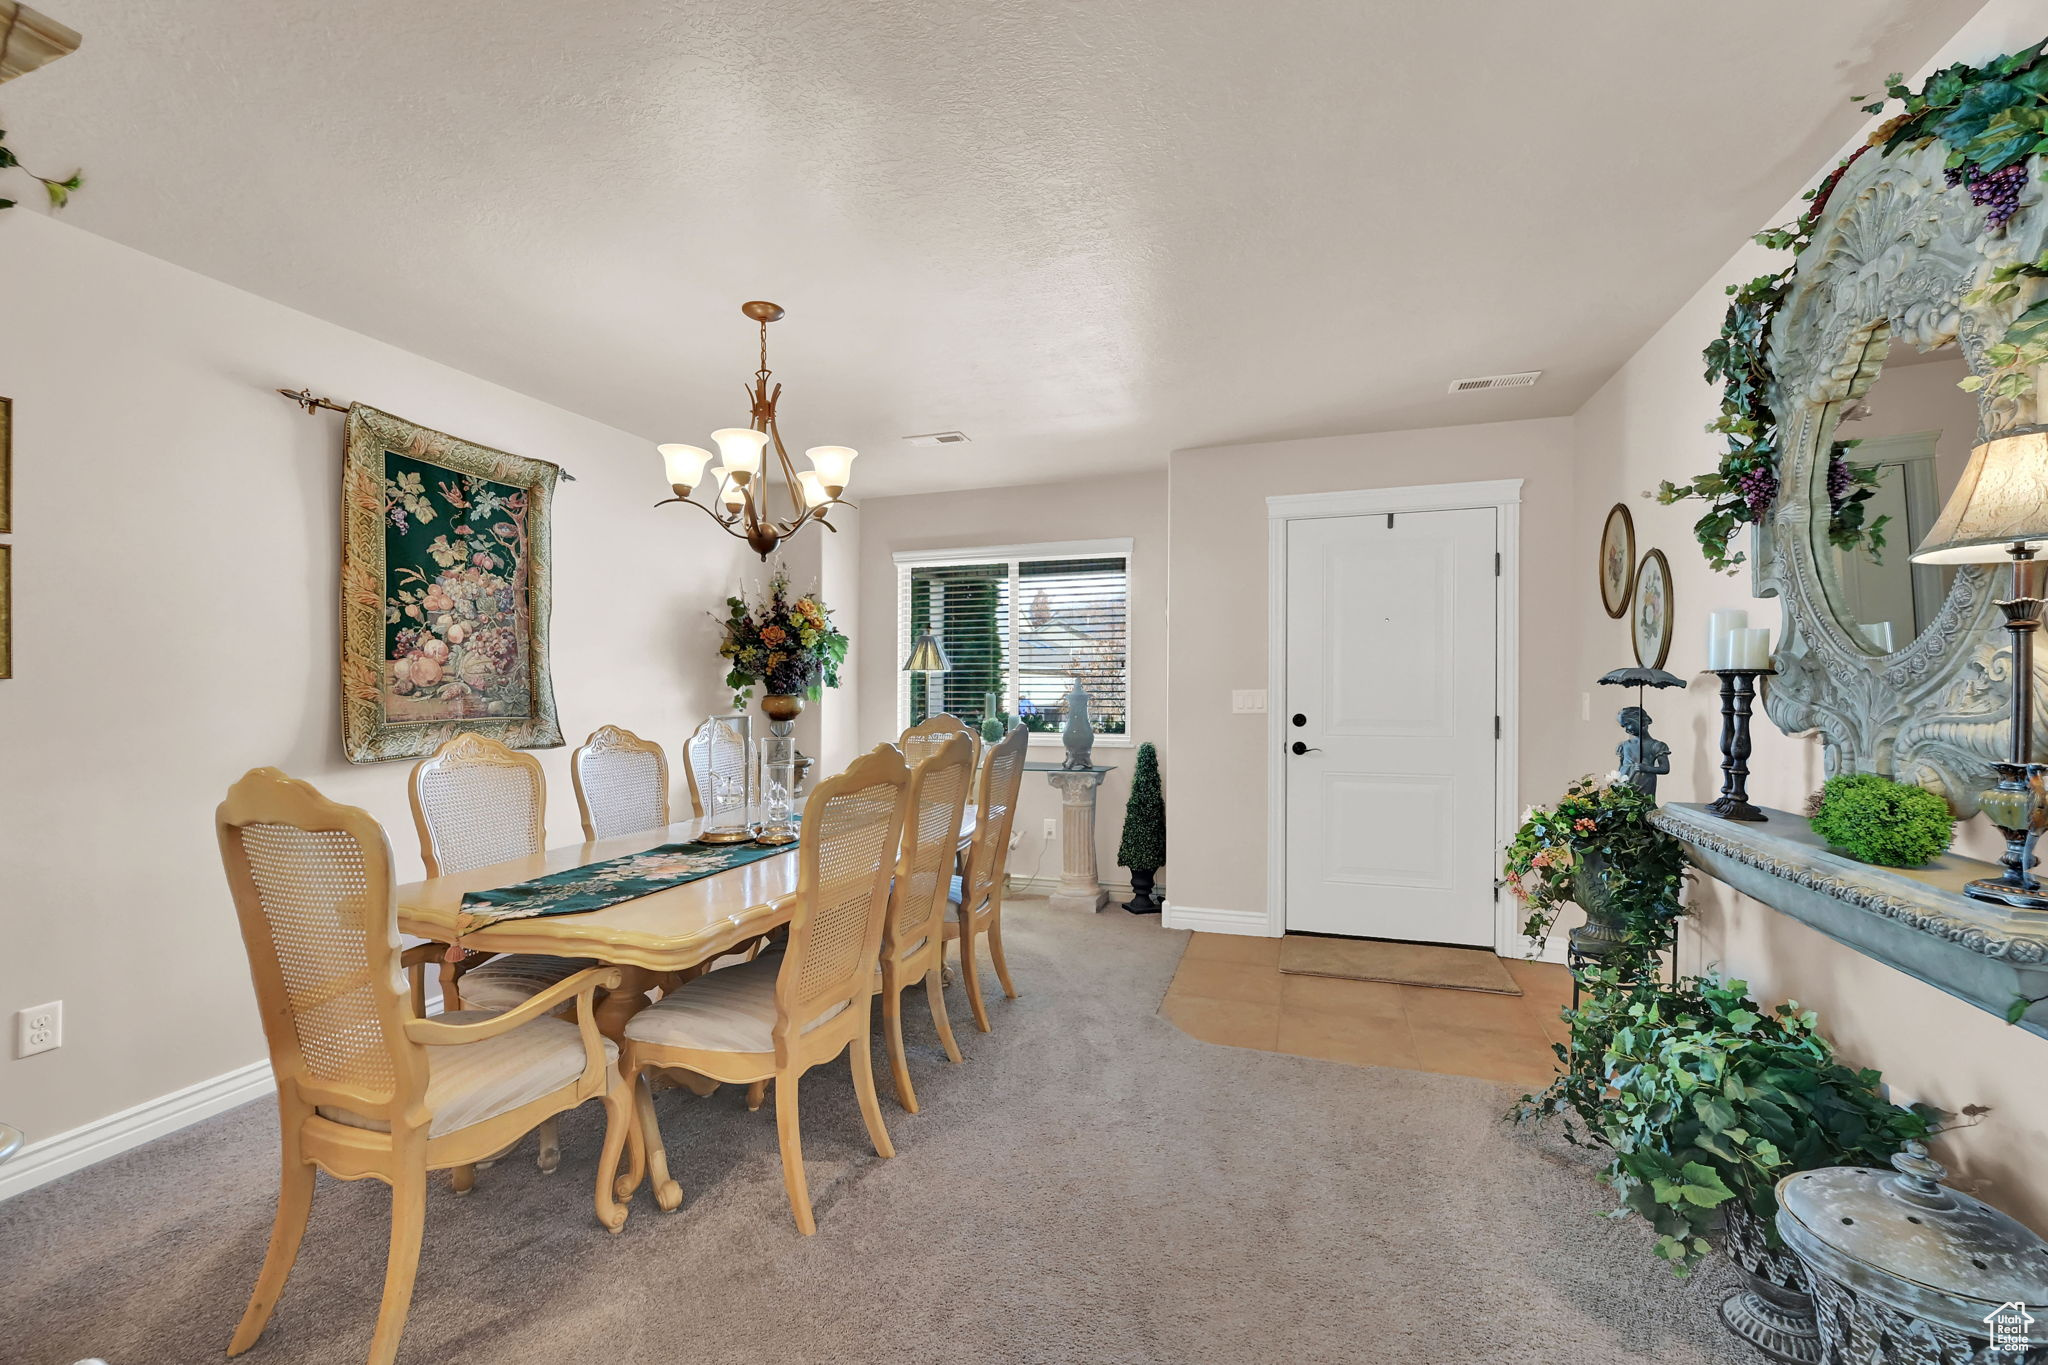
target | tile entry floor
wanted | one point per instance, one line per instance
(1229, 989)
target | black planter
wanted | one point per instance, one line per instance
(1144, 900)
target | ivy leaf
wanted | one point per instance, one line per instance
(2017, 1010)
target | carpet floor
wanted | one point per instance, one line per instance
(1091, 1185)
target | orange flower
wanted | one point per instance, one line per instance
(773, 635)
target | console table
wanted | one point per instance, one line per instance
(1914, 919)
(1080, 885)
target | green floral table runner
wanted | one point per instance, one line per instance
(597, 885)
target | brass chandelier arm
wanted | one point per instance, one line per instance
(725, 524)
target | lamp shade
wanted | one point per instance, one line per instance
(685, 464)
(926, 657)
(2001, 501)
(813, 488)
(729, 492)
(740, 448)
(834, 465)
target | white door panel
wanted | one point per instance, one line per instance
(1391, 648)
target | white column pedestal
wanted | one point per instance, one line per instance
(1080, 886)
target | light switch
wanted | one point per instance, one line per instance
(1248, 702)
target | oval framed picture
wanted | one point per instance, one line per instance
(1650, 624)
(1617, 560)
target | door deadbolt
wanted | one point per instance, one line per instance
(1300, 719)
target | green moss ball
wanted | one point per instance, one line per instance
(1884, 822)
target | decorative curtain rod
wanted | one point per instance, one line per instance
(313, 404)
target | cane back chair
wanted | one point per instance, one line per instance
(621, 783)
(712, 752)
(977, 897)
(365, 1088)
(777, 1017)
(925, 738)
(914, 934)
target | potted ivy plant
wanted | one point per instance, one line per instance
(1705, 1100)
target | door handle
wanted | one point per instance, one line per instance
(1299, 748)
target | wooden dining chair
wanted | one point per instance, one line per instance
(476, 802)
(777, 1017)
(925, 738)
(976, 908)
(914, 933)
(365, 1088)
(621, 783)
(712, 752)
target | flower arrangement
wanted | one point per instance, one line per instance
(1992, 120)
(1877, 820)
(1597, 845)
(783, 645)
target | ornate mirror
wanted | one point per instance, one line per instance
(1897, 665)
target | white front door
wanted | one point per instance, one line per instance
(1390, 722)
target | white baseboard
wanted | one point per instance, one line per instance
(41, 1162)
(1045, 886)
(1252, 922)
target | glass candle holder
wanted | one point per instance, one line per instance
(728, 795)
(778, 788)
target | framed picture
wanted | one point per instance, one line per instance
(6, 611)
(1651, 623)
(446, 574)
(1617, 560)
(6, 466)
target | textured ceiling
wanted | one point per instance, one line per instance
(1084, 233)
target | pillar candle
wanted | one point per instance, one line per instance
(1752, 648)
(1721, 627)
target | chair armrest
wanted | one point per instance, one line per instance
(581, 986)
(413, 962)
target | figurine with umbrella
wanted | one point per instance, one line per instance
(1643, 757)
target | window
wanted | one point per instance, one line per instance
(1018, 624)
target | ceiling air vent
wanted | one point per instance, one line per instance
(1496, 381)
(939, 438)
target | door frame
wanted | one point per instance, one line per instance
(1504, 496)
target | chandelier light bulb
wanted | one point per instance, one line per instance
(740, 448)
(834, 464)
(813, 489)
(685, 466)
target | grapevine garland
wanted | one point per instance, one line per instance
(1993, 119)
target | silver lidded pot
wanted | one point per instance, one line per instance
(1905, 1270)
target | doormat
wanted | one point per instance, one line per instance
(1408, 964)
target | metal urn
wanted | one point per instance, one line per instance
(1905, 1271)
(1772, 1311)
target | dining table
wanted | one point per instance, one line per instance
(649, 938)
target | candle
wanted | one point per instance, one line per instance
(1751, 648)
(1721, 627)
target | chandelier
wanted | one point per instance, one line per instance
(739, 485)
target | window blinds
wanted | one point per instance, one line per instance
(1018, 633)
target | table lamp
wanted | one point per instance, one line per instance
(926, 657)
(1999, 511)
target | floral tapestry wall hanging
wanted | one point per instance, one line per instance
(445, 586)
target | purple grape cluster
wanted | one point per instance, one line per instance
(1838, 480)
(1759, 489)
(1999, 191)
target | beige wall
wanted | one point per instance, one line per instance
(175, 622)
(1217, 586)
(1643, 426)
(1131, 505)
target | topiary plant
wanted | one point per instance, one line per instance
(1876, 820)
(1143, 849)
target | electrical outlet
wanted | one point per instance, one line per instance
(1248, 702)
(39, 1028)
(1052, 828)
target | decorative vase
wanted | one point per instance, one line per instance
(1144, 900)
(1605, 929)
(1078, 734)
(1772, 1312)
(782, 706)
